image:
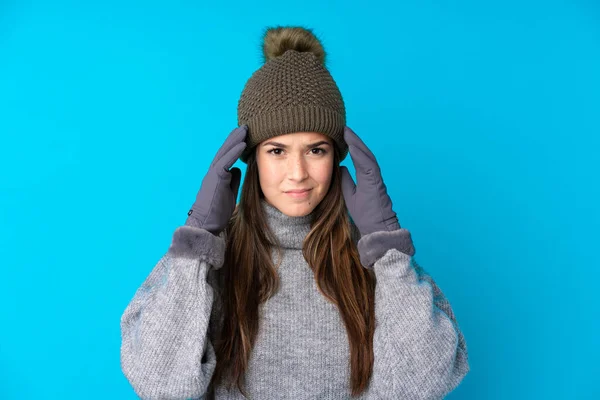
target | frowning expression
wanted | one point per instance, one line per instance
(295, 171)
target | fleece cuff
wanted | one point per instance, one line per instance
(192, 242)
(373, 246)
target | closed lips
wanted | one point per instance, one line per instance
(298, 191)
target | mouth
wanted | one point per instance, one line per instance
(298, 192)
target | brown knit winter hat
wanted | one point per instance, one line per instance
(292, 92)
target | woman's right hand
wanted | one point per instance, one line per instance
(216, 199)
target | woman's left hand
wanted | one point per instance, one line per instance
(368, 203)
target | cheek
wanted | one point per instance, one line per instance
(323, 175)
(269, 174)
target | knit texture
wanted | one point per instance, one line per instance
(292, 93)
(302, 349)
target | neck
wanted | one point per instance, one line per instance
(290, 231)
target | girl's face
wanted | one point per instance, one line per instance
(301, 161)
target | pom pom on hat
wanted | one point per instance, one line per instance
(278, 40)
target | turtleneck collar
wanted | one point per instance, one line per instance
(290, 231)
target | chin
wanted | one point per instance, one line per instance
(298, 209)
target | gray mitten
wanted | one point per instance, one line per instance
(216, 199)
(368, 202)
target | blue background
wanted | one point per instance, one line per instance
(483, 117)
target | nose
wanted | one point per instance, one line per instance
(297, 168)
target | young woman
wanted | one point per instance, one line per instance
(306, 289)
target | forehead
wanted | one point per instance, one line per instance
(299, 137)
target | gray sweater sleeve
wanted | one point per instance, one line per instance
(420, 351)
(166, 349)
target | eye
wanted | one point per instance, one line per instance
(273, 150)
(316, 151)
(321, 151)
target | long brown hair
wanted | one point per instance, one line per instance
(249, 278)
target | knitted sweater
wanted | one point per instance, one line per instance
(302, 349)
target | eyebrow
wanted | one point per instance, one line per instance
(310, 146)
